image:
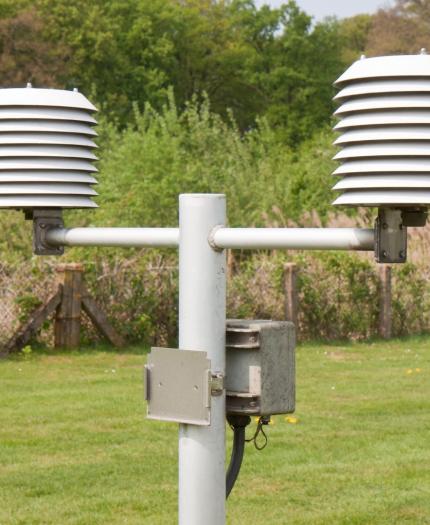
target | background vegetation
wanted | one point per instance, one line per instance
(208, 96)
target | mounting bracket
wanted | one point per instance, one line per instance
(390, 236)
(179, 385)
(43, 221)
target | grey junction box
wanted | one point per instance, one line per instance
(260, 378)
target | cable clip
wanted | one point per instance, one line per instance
(263, 420)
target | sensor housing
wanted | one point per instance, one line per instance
(46, 149)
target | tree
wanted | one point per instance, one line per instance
(25, 55)
(404, 28)
(249, 60)
(294, 68)
(120, 50)
(354, 33)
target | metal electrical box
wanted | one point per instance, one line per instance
(260, 378)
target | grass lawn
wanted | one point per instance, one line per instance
(75, 447)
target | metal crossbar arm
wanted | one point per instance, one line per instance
(241, 238)
(119, 237)
(294, 238)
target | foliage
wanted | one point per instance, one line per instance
(147, 165)
(248, 60)
(27, 304)
(139, 294)
(338, 293)
(10, 8)
(26, 352)
(354, 34)
(402, 28)
(298, 83)
(411, 300)
(292, 67)
(25, 54)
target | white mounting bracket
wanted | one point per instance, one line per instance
(179, 385)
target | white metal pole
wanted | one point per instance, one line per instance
(202, 313)
(294, 238)
(138, 237)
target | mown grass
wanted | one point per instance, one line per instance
(75, 447)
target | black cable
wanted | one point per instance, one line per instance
(238, 425)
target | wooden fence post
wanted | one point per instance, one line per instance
(290, 289)
(385, 314)
(69, 302)
(68, 316)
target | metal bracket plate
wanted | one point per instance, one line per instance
(391, 237)
(178, 386)
(43, 221)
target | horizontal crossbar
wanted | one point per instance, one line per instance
(240, 238)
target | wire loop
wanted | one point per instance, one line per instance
(263, 420)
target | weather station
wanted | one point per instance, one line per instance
(223, 368)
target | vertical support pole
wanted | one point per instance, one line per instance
(385, 314)
(290, 290)
(68, 316)
(202, 319)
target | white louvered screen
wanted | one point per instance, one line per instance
(384, 123)
(46, 149)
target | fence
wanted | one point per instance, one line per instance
(292, 304)
(67, 304)
(327, 296)
(140, 302)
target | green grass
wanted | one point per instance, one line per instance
(75, 447)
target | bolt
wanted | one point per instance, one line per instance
(384, 253)
(75, 90)
(423, 51)
(252, 404)
(401, 254)
(29, 85)
(43, 226)
(362, 57)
